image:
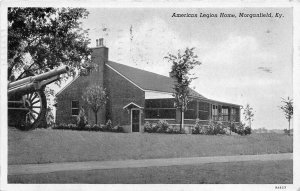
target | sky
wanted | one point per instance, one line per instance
(244, 60)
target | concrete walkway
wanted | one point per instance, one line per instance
(99, 165)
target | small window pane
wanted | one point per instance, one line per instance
(202, 115)
(152, 103)
(151, 113)
(75, 111)
(167, 113)
(190, 114)
(167, 103)
(203, 106)
(75, 107)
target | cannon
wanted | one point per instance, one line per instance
(27, 103)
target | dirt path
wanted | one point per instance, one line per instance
(99, 165)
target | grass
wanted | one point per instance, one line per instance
(48, 146)
(254, 172)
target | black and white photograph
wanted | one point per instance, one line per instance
(144, 95)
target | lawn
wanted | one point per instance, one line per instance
(253, 172)
(46, 145)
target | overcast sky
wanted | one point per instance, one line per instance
(243, 60)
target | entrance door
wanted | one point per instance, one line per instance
(135, 120)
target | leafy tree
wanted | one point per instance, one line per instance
(95, 97)
(287, 109)
(40, 39)
(182, 64)
(248, 114)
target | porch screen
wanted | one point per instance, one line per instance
(225, 114)
(160, 109)
(233, 115)
(203, 111)
(191, 110)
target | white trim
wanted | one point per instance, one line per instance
(133, 104)
(155, 91)
(173, 119)
(66, 86)
(140, 120)
(158, 119)
(158, 95)
(124, 76)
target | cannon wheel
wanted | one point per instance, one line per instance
(36, 104)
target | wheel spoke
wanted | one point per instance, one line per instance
(30, 96)
(33, 111)
(35, 95)
(37, 106)
(35, 102)
(33, 117)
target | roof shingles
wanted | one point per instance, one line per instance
(148, 80)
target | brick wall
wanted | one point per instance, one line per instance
(75, 91)
(121, 92)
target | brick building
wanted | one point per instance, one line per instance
(135, 96)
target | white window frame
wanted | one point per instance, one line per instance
(74, 107)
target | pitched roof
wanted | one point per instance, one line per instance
(148, 80)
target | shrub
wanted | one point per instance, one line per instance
(88, 127)
(81, 119)
(96, 127)
(117, 128)
(162, 126)
(241, 129)
(198, 128)
(147, 127)
(72, 126)
(108, 126)
(215, 128)
(286, 131)
(247, 130)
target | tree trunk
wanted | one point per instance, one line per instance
(250, 123)
(96, 118)
(182, 120)
(289, 128)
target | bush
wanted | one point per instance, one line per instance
(286, 131)
(81, 119)
(162, 126)
(108, 126)
(198, 128)
(96, 127)
(148, 127)
(242, 129)
(215, 128)
(117, 129)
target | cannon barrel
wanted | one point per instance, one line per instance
(40, 77)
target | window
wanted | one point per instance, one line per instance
(160, 109)
(203, 111)
(75, 107)
(233, 115)
(214, 112)
(190, 113)
(225, 114)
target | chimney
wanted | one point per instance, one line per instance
(100, 52)
(101, 42)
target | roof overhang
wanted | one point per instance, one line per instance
(132, 105)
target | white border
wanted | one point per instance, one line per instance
(204, 4)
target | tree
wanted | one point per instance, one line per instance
(182, 64)
(40, 39)
(95, 97)
(287, 109)
(248, 114)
